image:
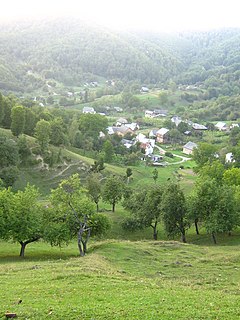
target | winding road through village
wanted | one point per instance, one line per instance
(183, 159)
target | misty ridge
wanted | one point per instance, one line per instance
(72, 53)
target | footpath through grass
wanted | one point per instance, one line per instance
(122, 280)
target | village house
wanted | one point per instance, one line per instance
(234, 125)
(144, 90)
(153, 133)
(221, 126)
(149, 114)
(162, 135)
(176, 120)
(127, 143)
(133, 126)
(118, 109)
(155, 113)
(88, 110)
(121, 121)
(120, 131)
(145, 143)
(198, 127)
(229, 158)
(189, 147)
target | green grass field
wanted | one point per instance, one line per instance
(120, 279)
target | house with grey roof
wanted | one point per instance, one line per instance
(197, 126)
(153, 133)
(189, 147)
(162, 135)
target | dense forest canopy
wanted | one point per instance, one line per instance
(72, 53)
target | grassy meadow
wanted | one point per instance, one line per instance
(120, 279)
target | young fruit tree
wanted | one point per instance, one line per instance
(93, 184)
(21, 216)
(113, 191)
(216, 205)
(174, 211)
(145, 209)
(71, 213)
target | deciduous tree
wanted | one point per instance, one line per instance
(203, 154)
(72, 213)
(42, 134)
(216, 205)
(18, 120)
(93, 184)
(113, 191)
(175, 211)
(21, 215)
(145, 207)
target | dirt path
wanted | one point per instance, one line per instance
(183, 159)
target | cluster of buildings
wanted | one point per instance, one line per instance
(123, 127)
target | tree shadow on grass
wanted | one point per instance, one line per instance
(222, 239)
(37, 252)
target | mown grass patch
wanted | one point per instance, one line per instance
(122, 280)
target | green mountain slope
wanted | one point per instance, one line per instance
(70, 52)
(73, 53)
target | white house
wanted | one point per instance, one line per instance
(221, 126)
(234, 125)
(149, 114)
(88, 110)
(155, 113)
(146, 144)
(144, 90)
(176, 120)
(229, 158)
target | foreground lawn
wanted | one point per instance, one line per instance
(122, 280)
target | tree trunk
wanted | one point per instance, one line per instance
(155, 231)
(22, 251)
(214, 238)
(80, 233)
(155, 235)
(24, 244)
(196, 226)
(84, 242)
(113, 207)
(183, 236)
(97, 206)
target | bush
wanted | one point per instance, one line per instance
(132, 224)
(36, 150)
(168, 154)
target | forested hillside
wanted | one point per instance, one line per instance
(72, 53)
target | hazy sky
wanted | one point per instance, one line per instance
(159, 15)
